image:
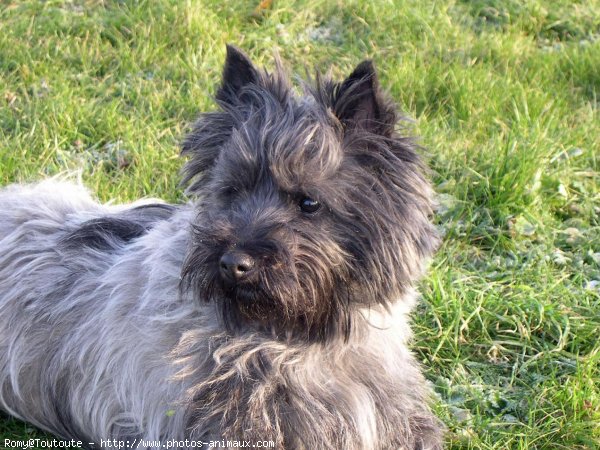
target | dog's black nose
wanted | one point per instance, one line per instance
(236, 266)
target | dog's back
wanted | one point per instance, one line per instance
(57, 250)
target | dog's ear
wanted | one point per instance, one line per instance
(238, 72)
(212, 130)
(359, 104)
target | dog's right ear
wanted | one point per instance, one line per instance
(238, 72)
(212, 130)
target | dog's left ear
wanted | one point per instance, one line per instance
(359, 103)
(238, 72)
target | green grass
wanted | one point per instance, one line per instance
(506, 97)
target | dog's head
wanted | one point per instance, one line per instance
(308, 206)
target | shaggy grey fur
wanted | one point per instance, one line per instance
(273, 308)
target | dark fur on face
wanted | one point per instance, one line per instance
(310, 206)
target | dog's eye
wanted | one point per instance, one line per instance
(308, 205)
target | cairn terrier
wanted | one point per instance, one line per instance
(273, 308)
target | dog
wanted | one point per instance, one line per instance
(273, 307)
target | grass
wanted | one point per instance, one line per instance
(505, 95)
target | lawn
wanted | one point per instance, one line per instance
(505, 96)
